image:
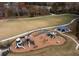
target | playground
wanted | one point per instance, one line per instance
(41, 41)
(45, 44)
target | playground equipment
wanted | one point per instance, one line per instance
(63, 29)
(19, 43)
(51, 34)
(29, 41)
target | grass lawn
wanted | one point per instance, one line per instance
(12, 27)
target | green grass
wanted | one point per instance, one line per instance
(12, 27)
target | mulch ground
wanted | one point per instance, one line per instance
(41, 41)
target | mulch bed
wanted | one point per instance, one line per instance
(41, 41)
